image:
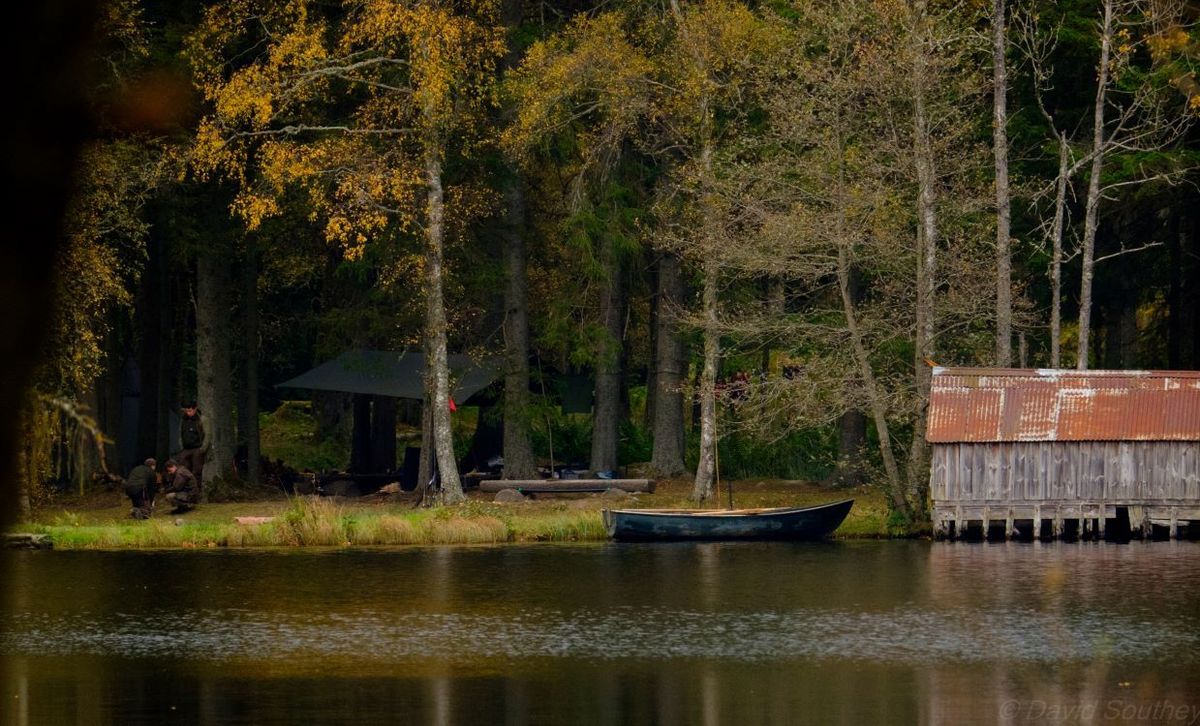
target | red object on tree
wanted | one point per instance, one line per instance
(453, 408)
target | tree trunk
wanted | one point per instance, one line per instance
(1092, 207)
(706, 465)
(852, 444)
(1176, 238)
(1129, 333)
(845, 273)
(702, 489)
(1003, 207)
(334, 414)
(852, 425)
(896, 493)
(172, 322)
(1194, 240)
(1127, 327)
(39, 163)
(24, 480)
(360, 435)
(926, 278)
(652, 331)
(670, 367)
(519, 462)
(1056, 255)
(1106, 343)
(606, 416)
(383, 434)
(249, 432)
(151, 319)
(776, 306)
(437, 362)
(214, 381)
(425, 470)
(108, 412)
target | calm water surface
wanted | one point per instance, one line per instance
(871, 632)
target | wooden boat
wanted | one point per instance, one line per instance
(778, 523)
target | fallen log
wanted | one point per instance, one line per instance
(566, 486)
(26, 541)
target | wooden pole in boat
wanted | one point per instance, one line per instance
(729, 491)
(717, 468)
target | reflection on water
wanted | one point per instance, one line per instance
(688, 633)
(903, 635)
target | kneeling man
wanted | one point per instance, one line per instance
(139, 487)
(183, 491)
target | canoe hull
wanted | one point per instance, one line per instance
(793, 523)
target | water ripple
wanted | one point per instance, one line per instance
(897, 636)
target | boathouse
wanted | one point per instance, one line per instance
(1056, 452)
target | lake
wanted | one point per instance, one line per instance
(839, 632)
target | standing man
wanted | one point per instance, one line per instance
(139, 487)
(183, 490)
(191, 438)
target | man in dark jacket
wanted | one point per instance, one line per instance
(139, 487)
(191, 438)
(183, 491)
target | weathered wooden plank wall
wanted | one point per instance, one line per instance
(1065, 471)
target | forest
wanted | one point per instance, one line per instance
(747, 229)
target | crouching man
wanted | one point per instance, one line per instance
(139, 487)
(183, 491)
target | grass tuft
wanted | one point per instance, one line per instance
(311, 521)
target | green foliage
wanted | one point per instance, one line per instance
(608, 120)
(567, 435)
(100, 264)
(898, 523)
(635, 444)
(289, 434)
(805, 454)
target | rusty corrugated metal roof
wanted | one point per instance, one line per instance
(1013, 404)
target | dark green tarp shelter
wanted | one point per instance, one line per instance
(377, 378)
(397, 374)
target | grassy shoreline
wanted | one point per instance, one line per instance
(101, 523)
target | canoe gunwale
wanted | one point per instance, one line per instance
(759, 512)
(779, 523)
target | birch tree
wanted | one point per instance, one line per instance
(1003, 203)
(716, 49)
(1135, 116)
(865, 190)
(587, 87)
(1133, 113)
(361, 106)
(669, 83)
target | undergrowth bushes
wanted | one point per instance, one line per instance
(312, 521)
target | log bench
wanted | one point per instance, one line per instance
(26, 541)
(566, 486)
